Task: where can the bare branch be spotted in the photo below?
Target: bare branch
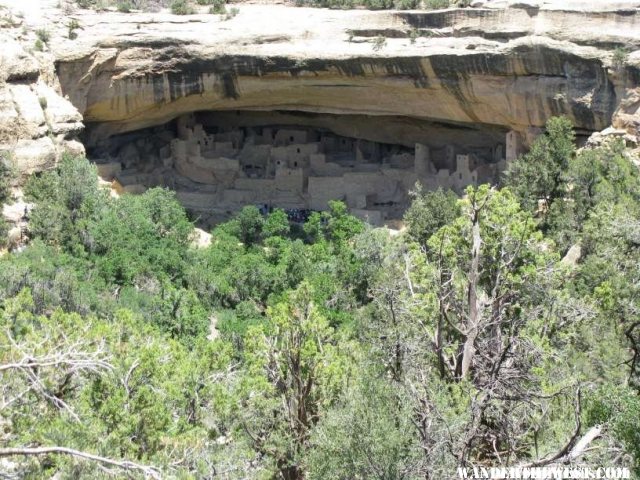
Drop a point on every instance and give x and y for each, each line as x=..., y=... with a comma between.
x=148, y=471
x=574, y=448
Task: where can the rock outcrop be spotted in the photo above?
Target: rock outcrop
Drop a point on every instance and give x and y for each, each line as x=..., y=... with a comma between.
x=461, y=76
x=511, y=68
x=627, y=116
x=37, y=124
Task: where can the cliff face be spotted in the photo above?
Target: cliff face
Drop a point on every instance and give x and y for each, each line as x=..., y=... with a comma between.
x=37, y=125
x=510, y=68
x=518, y=89
x=493, y=68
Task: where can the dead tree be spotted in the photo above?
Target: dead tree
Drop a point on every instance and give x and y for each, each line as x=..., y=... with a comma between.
x=45, y=369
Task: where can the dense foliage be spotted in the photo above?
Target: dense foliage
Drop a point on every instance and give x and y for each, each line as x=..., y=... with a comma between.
x=330, y=350
x=5, y=195
x=188, y=7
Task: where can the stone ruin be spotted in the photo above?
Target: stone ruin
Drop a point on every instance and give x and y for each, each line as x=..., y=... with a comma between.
x=216, y=170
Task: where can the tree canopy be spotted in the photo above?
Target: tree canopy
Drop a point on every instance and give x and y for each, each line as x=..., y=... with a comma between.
x=335, y=350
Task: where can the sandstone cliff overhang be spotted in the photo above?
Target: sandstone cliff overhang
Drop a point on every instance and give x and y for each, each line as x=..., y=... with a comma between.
x=511, y=68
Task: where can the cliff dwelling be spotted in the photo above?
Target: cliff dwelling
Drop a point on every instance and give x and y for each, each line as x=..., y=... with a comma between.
x=217, y=162
x=291, y=115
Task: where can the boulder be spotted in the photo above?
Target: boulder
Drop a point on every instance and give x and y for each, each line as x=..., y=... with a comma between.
x=14, y=238
x=29, y=107
x=17, y=64
x=31, y=156
x=14, y=213
x=72, y=147
x=9, y=118
x=62, y=117
x=201, y=239
x=572, y=256
x=627, y=115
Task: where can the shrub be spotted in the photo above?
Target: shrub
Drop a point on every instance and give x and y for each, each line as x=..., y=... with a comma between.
x=342, y=4
x=217, y=6
x=619, y=58
x=379, y=43
x=39, y=46
x=124, y=6
x=4, y=232
x=406, y=4
x=100, y=5
x=66, y=199
x=436, y=4
x=6, y=177
x=43, y=35
x=378, y=4
x=43, y=102
x=181, y=7
x=430, y=211
x=73, y=25
x=250, y=224
x=277, y=224
x=232, y=12
x=140, y=236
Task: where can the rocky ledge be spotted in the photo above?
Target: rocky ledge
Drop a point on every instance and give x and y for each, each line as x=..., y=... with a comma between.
x=509, y=67
x=37, y=124
x=505, y=65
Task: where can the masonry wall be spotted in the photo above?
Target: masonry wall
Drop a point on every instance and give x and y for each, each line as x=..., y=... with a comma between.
x=303, y=168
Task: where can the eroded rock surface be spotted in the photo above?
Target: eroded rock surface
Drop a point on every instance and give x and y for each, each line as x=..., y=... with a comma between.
x=37, y=124
x=508, y=64
x=511, y=67
x=479, y=81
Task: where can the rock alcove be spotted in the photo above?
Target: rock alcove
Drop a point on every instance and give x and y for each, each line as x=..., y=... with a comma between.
x=219, y=161
x=255, y=109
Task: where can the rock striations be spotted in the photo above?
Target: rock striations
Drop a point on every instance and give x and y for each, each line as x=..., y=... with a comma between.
x=512, y=67
x=37, y=124
x=463, y=76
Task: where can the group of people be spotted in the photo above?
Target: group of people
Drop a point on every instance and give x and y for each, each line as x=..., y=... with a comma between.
x=298, y=215
x=295, y=215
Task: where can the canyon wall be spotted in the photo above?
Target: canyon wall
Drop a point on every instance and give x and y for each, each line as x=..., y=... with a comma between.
x=436, y=77
x=511, y=68
x=37, y=124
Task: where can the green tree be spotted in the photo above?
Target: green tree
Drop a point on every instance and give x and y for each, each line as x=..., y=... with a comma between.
x=6, y=177
x=46, y=365
x=144, y=235
x=276, y=224
x=340, y=225
x=118, y=390
x=429, y=211
x=473, y=293
x=368, y=434
x=617, y=408
x=313, y=228
x=538, y=175
x=4, y=231
x=294, y=367
x=248, y=225
x=602, y=174
x=67, y=200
